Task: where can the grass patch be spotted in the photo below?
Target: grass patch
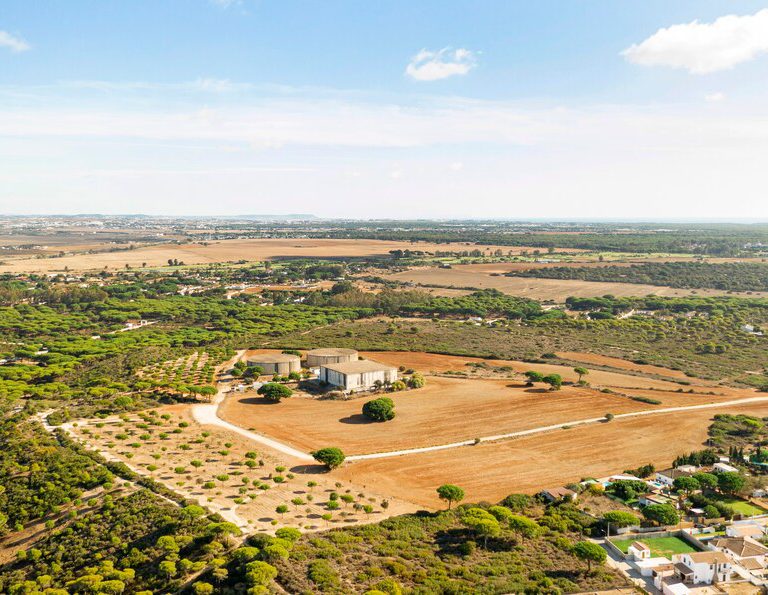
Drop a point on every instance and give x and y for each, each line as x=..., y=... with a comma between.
x=660, y=546
x=740, y=506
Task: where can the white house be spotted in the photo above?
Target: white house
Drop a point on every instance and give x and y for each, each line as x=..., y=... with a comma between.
x=724, y=468
x=357, y=375
x=702, y=568
x=638, y=551
x=668, y=476
x=741, y=548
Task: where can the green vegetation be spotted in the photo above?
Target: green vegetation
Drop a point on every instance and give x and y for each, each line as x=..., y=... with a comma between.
x=381, y=409
x=275, y=392
x=660, y=546
x=731, y=276
x=329, y=456
x=470, y=549
x=678, y=336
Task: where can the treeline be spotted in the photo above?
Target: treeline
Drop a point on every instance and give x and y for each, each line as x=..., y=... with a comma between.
x=483, y=303
x=730, y=276
x=714, y=306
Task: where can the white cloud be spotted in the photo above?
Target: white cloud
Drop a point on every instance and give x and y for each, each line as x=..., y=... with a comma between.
x=433, y=66
x=226, y=3
x=15, y=44
x=702, y=48
x=715, y=97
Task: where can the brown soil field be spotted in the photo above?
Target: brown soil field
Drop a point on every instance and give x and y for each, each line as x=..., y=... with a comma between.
x=231, y=251
x=490, y=471
x=446, y=410
x=622, y=364
x=433, y=362
x=223, y=453
x=542, y=289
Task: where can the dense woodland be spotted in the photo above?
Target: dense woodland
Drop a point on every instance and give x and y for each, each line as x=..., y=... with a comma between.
x=731, y=276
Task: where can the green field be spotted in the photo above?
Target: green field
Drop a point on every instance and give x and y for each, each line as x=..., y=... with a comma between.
x=660, y=546
x=741, y=506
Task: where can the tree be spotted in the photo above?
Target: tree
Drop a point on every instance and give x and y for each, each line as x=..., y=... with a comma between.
x=381, y=409
x=259, y=574
x=274, y=392
x=281, y=509
x=533, y=376
x=450, y=493
x=589, y=552
x=686, y=484
x=482, y=523
x=417, y=380
x=706, y=480
x=523, y=525
x=663, y=514
x=730, y=482
x=581, y=372
x=329, y=456
x=555, y=381
x=620, y=519
x=203, y=588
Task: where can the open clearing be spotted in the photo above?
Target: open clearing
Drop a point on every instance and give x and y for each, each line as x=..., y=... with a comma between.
x=462, y=276
x=660, y=546
x=232, y=251
x=490, y=471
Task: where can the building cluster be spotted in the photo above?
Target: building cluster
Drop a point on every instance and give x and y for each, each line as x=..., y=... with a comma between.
x=711, y=566
x=337, y=367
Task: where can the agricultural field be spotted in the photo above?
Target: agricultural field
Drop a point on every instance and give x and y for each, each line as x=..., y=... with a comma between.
x=193, y=369
x=228, y=474
x=232, y=251
x=557, y=290
x=455, y=408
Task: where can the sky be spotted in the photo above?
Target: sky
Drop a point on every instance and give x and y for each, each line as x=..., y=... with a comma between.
x=644, y=109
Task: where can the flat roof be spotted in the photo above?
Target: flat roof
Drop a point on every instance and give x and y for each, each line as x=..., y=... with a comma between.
x=358, y=367
x=332, y=351
x=273, y=358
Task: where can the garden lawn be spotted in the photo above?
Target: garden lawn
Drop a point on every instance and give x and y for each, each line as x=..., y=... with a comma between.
x=741, y=506
x=660, y=546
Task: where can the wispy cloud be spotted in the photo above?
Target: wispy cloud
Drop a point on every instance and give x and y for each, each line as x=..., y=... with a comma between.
x=703, y=48
x=429, y=65
x=226, y=3
x=205, y=84
x=13, y=43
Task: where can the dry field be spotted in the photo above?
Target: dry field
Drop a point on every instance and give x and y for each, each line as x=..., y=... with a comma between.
x=540, y=289
x=446, y=410
x=622, y=364
x=231, y=251
x=241, y=494
x=490, y=471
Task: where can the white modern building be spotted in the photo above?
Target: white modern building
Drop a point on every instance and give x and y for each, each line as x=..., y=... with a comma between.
x=357, y=375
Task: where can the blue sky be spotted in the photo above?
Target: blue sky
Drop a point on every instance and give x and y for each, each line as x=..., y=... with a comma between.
x=398, y=109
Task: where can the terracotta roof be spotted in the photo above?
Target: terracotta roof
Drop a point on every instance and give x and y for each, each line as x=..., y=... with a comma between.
x=559, y=492
x=709, y=557
x=751, y=564
x=743, y=547
x=639, y=545
x=673, y=473
x=359, y=367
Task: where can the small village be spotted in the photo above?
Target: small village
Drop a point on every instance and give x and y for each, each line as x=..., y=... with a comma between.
x=702, y=552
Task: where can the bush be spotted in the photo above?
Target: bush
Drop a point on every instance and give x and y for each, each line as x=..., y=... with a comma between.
x=330, y=456
x=274, y=392
x=381, y=409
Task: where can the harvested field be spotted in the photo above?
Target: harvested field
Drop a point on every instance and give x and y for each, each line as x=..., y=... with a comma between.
x=461, y=276
x=493, y=470
x=621, y=364
x=433, y=362
x=231, y=251
x=453, y=409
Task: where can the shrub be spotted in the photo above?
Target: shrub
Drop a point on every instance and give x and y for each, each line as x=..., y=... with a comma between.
x=381, y=409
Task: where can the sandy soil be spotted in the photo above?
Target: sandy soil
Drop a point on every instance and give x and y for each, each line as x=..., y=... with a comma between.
x=541, y=289
x=446, y=410
x=230, y=251
x=622, y=364
x=432, y=362
x=491, y=471
x=224, y=453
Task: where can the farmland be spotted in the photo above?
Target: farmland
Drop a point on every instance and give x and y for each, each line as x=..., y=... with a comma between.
x=229, y=251
x=472, y=276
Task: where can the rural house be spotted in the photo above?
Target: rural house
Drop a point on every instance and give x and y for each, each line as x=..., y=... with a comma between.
x=558, y=494
x=357, y=375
